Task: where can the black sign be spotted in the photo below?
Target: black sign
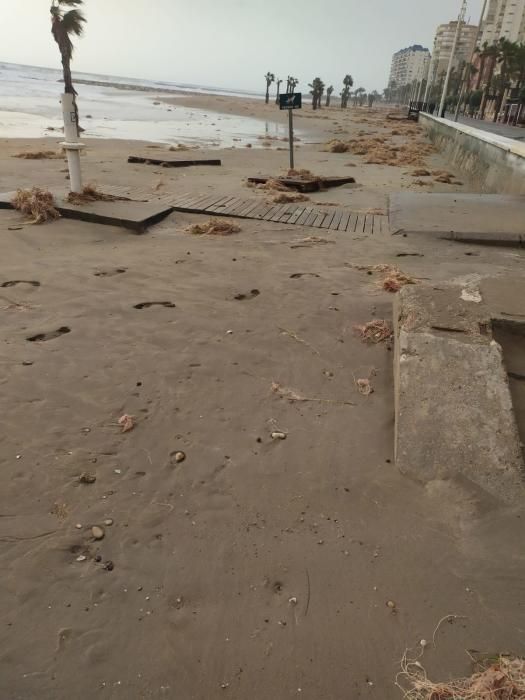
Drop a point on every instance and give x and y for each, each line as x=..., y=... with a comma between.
x=291, y=100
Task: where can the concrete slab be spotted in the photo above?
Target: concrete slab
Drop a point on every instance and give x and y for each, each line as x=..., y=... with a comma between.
x=454, y=411
x=132, y=215
x=476, y=218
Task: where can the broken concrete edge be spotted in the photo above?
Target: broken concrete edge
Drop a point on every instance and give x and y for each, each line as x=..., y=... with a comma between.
x=484, y=238
x=454, y=417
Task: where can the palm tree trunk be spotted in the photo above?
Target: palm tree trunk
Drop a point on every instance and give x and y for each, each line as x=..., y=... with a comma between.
x=267, y=93
x=480, y=74
x=487, y=89
x=68, y=85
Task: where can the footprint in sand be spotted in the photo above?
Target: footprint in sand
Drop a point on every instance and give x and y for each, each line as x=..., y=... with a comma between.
x=298, y=275
x=110, y=273
x=250, y=295
x=12, y=283
x=51, y=335
x=147, y=304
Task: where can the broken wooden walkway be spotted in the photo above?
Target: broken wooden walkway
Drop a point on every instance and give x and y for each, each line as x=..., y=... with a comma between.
x=300, y=214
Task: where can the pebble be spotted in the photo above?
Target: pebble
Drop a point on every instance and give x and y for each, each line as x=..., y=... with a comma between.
x=390, y=604
x=118, y=471
x=86, y=478
x=180, y=457
x=81, y=557
x=277, y=435
x=98, y=532
x=109, y=566
x=108, y=522
x=78, y=526
x=293, y=601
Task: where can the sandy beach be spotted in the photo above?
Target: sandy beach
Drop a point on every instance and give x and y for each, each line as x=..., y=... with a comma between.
x=249, y=566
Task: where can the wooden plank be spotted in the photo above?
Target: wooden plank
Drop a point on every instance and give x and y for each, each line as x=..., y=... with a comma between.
x=200, y=202
x=328, y=219
x=304, y=216
x=337, y=219
x=295, y=216
x=360, y=223
x=221, y=204
x=280, y=211
x=285, y=218
x=368, y=227
x=259, y=209
x=343, y=224
x=182, y=199
x=313, y=216
x=233, y=207
x=249, y=207
x=352, y=223
x=319, y=219
x=209, y=201
x=187, y=204
x=167, y=163
x=271, y=212
x=265, y=208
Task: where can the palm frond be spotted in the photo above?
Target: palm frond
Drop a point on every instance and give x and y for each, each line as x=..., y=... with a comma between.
x=71, y=3
x=73, y=22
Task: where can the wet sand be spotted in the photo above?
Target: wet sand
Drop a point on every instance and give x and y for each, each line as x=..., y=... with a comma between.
x=256, y=567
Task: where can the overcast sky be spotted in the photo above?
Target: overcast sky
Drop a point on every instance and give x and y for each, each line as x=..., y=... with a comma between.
x=232, y=43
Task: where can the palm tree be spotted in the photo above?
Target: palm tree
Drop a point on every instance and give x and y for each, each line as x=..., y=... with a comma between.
x=316, y=92
x=270, y=78
x=348, y=82
x=359, y=96
x=329, y=91
x=291, y=84
x=492, y=54
x=278, y=83
x=372, y=97
x=507, y=53
x=64, y=24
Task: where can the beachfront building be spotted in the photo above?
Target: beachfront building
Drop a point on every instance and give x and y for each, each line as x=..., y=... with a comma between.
x=409, y=65
x=505, y=19
x=443, y=43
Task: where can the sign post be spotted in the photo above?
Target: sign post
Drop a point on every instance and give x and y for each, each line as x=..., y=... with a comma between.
x=290, y=101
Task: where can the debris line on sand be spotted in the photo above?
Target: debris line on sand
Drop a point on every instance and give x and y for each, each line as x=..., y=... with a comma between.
x=91, y=194
x=40, y=155
x=214, y=227
x=36, y=203
x=375, y=331
x=294, y=396
x=496, y=679
x=392, y=277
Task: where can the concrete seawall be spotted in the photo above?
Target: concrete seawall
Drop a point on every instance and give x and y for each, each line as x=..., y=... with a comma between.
x=493, y=163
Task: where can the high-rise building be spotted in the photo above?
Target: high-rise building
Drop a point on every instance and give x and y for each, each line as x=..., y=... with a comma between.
x=443, y=43
x=505, y=19
x=409, y=64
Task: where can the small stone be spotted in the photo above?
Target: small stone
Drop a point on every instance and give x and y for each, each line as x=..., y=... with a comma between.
x=98, y=558
x=293, y=601
x=423, y=643
x=81, y=557
x=390, y=604
x=278, y=435
x=109, y=566
x=180, y=457
x=229, y=332
x=225, y=685
x=78, y=526
x=118, y=471
x=108, y=522
x=98, y=532
x=86, y=478
x=321, y=542
x=19, y=456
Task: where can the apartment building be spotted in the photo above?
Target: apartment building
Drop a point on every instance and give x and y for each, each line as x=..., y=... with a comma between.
x=505, y=19
x=409, y=64
x=443, y=43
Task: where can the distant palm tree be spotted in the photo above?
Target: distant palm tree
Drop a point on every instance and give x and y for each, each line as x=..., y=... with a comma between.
x=291, y=84
x=270, y=78
x=329, y=91
x=372, y=97
x=64, y=24
x=316, y=92
x=348, y=82
x=278, y=83
x=359, y=95
x=507, y=56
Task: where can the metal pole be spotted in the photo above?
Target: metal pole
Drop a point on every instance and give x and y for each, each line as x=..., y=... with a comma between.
x=71, y=144
x=467, y=68
x=452, y=56
x=290, y=123
x=430, y=81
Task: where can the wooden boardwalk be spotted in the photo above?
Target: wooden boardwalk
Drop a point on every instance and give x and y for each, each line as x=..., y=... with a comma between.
x=300, y=214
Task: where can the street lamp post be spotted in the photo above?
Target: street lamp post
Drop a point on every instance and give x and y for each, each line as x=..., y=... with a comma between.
x=461, y=19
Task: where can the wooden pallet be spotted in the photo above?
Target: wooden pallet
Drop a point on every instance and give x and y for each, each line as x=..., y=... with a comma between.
x=303, y=185
x=299, y=214
x=167, y=163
